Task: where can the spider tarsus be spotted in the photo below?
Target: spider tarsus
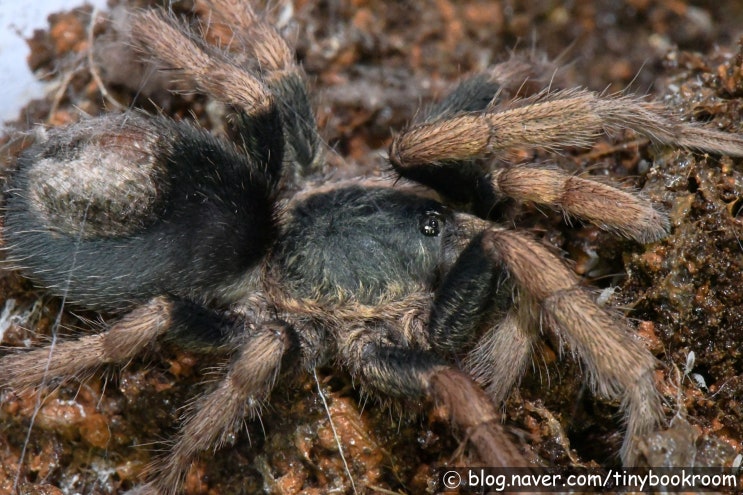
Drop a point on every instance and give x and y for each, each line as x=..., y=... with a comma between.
x=643, y=409
x=472, y=410
x=607, y=206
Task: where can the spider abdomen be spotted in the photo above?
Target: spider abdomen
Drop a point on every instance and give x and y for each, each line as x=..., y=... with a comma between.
x=115, y=210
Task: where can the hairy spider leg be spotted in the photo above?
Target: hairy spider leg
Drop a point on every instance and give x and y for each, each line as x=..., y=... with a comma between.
x=188, y=325
x=440, y=153
x=406, y=373
x=74, y=359
x=213, y=418
x=618, y=366
x=255, y=72
x=254, y=41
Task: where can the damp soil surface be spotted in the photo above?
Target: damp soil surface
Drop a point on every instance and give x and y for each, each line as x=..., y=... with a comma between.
x=371, y=65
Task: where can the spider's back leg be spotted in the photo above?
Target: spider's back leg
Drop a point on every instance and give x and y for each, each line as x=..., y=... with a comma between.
x=253, y=35
x=253, y=70
x=219, y=414
x=261, y=348
x=76, y=358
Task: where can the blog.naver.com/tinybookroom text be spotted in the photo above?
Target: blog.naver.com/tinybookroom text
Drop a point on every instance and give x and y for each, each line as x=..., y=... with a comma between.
x=551, y=479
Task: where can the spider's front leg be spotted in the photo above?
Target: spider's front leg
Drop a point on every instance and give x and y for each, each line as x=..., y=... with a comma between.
x=545, y=292
x=442, y=151
x=477, y=293
x=618, y=365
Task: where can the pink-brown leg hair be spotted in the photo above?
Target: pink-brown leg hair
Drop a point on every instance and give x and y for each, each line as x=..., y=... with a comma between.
x=213, y=418
x=602, y=204
x=210, y=69
x=552, y=121
x=405, y=373
x=126, y=338
x=252, y=38
x=432, y=151
x=501, y=356
x=618, y=366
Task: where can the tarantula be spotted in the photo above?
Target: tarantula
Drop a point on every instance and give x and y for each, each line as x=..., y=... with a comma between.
x=228, y=246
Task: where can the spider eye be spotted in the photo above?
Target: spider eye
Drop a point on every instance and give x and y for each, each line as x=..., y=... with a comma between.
x=430, y=224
